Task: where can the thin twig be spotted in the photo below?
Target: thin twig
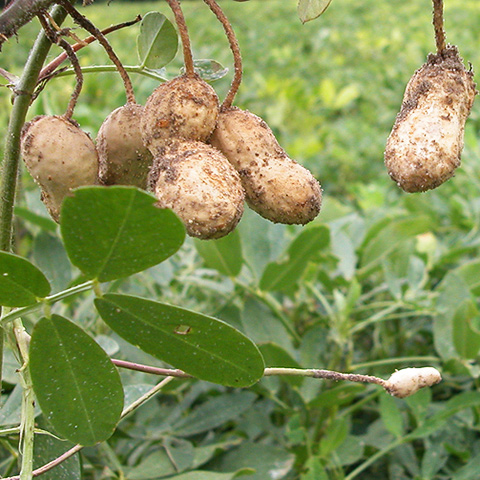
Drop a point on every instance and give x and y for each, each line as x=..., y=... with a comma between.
x=234, y=47
x=55, y=63
x=268, y=372
x=438, y=25
x=54, y=38
x=90, y=27
x=183, y=30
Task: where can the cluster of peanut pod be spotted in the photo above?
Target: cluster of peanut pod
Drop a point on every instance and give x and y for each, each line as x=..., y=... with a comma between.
x=201, y=162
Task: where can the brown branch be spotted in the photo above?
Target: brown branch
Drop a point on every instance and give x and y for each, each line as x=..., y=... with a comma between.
x=438, y=25
x=182, y=29
x=90, y=27
x=55, y=38
x=234, y=47
x=19, y=13
x=55, y=63
x=153, y=370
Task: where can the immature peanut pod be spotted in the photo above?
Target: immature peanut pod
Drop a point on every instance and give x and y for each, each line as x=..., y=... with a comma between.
x=276, y=187
x=123, y=159
x=424, y=147
x=59, y=156
x=185, y=107
x=198, y=183
x=408, y=381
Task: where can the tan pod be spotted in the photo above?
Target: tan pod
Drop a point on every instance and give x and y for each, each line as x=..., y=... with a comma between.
x=198, y=183
x=123, y=159
x=59, y=156
x=276, y=187
x=185, y=107
x=426, y=142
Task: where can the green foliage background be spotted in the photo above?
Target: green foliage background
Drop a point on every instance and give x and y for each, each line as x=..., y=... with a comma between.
x=381, y=280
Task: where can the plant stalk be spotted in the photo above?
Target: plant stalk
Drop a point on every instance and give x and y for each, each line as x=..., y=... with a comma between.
x=27, y=427
x=438, y=25
x=9, y=168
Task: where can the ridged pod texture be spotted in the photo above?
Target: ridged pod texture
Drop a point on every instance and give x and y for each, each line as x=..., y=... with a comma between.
x=185, y=107
x=198, y=183
x=426, y=142
x=276, y=187
x=59, y=156
x=123, y=159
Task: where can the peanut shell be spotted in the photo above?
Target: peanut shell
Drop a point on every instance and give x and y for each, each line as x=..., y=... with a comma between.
x=185, y=107
x=198, y=183
x=276, y=187
x=123, y=159
x=59, y=156
x=426, y=142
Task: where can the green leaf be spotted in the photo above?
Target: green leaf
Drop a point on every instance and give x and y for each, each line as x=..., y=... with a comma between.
x=157, y=42
x=435, y=422
x=114, y=232
x=43, y=222
x=335, y=435
x=387, y=236
x=210, y=70
x=77, y=386
x=465, y=338
x=451, y=293
x=224, y=254
x=280, y=275
x=205, y=475
x=315, y=470
x=470, y=273
x=391, y=415
x=268, y=461
x=202, y=346
x=21, y=282
x=155, y=465
x=337, y=396
x=49, y=254
x=213, y=413
x=311, y=9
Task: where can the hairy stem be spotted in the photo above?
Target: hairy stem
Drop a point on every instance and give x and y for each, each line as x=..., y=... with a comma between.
x=234, y=47
x=20, y=312
x=90, y=27
x=182, y=29
x=268, y=372
x=27, y=427
x=438, y=25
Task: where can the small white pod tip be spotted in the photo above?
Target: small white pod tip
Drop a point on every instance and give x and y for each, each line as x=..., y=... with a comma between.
x=408, y=381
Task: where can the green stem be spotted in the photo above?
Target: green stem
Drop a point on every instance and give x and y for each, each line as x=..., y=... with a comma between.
x=374, y=458
x=9, y=168
x=111, y=68
x=387, y=314
x=23, y=95
x=19, y=312
x=397, y=360
x=27, y=430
